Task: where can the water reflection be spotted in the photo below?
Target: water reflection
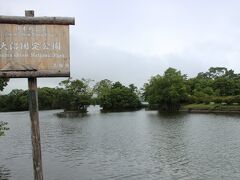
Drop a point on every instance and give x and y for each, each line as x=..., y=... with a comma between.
x=169, y=143
x=5, y=173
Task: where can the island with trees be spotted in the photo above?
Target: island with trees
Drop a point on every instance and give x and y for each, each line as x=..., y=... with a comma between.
x=117, y=97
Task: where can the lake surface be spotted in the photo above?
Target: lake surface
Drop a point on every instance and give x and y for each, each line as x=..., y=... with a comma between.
x=130, y=145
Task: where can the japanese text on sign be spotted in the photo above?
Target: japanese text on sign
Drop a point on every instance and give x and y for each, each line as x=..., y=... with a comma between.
x=43, y=47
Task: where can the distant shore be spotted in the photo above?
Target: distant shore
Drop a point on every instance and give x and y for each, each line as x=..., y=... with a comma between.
x=211, y=108
x=208, y=111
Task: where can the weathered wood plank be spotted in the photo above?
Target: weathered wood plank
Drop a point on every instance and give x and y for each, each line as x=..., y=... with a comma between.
x=37, y=20
x=24, y=74
x=44, y=48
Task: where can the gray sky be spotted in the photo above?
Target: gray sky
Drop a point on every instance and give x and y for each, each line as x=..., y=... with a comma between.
x=132, y=40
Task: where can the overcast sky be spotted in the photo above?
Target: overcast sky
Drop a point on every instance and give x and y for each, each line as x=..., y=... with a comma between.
x=131, y=40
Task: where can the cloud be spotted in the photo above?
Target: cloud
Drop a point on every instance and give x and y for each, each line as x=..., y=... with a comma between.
x=97, y=62
x=107, y=63
x=132, y=41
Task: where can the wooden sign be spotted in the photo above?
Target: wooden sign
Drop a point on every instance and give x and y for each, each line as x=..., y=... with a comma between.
x=34, y=47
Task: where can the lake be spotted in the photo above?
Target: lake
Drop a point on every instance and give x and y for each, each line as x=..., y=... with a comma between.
x=137, y=145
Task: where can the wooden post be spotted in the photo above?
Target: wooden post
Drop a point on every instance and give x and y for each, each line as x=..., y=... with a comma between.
x=34, y=116
x=36, y=143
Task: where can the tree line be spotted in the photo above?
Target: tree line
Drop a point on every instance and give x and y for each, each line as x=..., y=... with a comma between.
x=172, y=89
x=166, y=92
x=76, y=95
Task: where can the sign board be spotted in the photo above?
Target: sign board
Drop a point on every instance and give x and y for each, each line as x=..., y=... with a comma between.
x=32, y=47
x=34, y=50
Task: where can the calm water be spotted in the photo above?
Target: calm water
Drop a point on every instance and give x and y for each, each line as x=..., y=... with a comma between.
x=132, y=145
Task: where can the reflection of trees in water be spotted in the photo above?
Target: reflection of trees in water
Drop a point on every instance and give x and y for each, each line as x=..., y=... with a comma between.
x=5, y=173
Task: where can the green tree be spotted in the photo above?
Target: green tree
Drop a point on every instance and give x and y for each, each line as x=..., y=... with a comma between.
x=167, y=91
x=213, y=85
x=76, y=94
x=224, y=82
x=102, y=88
x=224, y=86
x=199, y=89
x=117, y=97
x=3, y=128
x=213, y=72
x=49, y=98
x=17, y=100
x=3, y=83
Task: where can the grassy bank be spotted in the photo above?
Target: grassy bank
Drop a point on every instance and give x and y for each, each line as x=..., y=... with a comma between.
x=211, y=108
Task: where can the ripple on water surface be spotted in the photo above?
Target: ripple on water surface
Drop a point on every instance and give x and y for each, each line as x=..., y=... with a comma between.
x=131, y=145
